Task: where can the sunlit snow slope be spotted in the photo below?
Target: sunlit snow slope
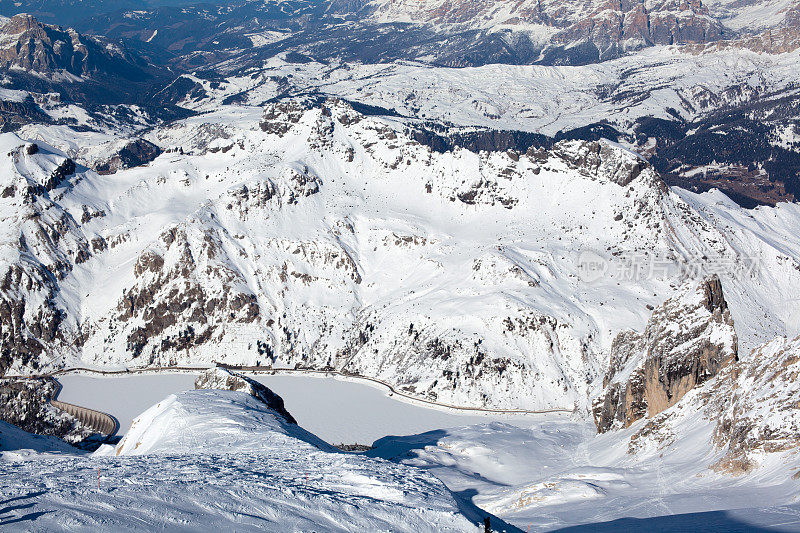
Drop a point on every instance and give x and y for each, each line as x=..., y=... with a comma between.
x=308, y=234
x=221, y=460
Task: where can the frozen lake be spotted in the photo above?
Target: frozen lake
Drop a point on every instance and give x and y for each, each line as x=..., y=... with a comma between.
x=338, y=411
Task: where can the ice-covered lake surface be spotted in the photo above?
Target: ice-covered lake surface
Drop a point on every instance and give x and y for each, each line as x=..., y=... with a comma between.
x=337, y=411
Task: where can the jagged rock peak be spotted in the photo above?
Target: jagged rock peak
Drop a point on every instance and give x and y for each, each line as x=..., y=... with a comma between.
x=687, y=341
x=606, y=160
x=28, y=45
x=715, y=299
x=223, y=379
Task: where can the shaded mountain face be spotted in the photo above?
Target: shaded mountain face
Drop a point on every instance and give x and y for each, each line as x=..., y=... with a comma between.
x=446, y=32
x=453, y=33
x=62, y=65
x=68, y=12
x=45, y=67
x=37, y=48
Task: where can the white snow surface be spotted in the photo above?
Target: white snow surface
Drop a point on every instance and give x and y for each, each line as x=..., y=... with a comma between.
x=352, y=413
x=15, y=443
x=536, y=98
x=221, y=460
x=559, y=474
x=207, y=421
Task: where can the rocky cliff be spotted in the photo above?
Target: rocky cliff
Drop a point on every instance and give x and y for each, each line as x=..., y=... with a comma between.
x=688, y=340
x=748, y=414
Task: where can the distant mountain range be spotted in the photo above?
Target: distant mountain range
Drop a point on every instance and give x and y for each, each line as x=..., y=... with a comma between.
x=737, y=135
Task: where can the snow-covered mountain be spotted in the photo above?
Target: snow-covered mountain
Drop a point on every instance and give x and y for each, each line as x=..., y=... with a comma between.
x=45, y=58
x=688, y=340
x=311, y=235
x=594, y=216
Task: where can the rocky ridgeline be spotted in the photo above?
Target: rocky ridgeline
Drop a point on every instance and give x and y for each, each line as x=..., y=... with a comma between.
x=757, y=405
x=685, y=368
x=249, y=268
x=688, y=340
x=35, y=47
x=189, y=292
x=751, y=406
x=135, y=153
x=223, y=379
x=611, y=27
x=46, y=244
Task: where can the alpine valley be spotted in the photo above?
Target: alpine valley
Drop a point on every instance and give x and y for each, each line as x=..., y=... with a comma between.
x=581, y=213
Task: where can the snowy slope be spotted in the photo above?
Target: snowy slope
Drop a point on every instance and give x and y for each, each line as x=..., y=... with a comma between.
x=15, y=442
x=312, y=235
x=560, y=474
x=206, y=422
x=544, y=99
x=730, y=443
x=238, y=466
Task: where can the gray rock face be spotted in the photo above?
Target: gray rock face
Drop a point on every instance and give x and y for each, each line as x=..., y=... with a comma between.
x=604, y=161
x=752, y=406
x=222, y=379
x=757, y=405
x=134, y=154
x=35, y=47
x=687, y=341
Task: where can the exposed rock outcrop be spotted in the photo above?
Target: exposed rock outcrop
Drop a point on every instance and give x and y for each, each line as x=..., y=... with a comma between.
x=134, y=154
x=751, y=406
x=688, y=340
x=44, y=243
x=35, y=47
x=758, y=403
x=604, y=160
x=223, y=379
